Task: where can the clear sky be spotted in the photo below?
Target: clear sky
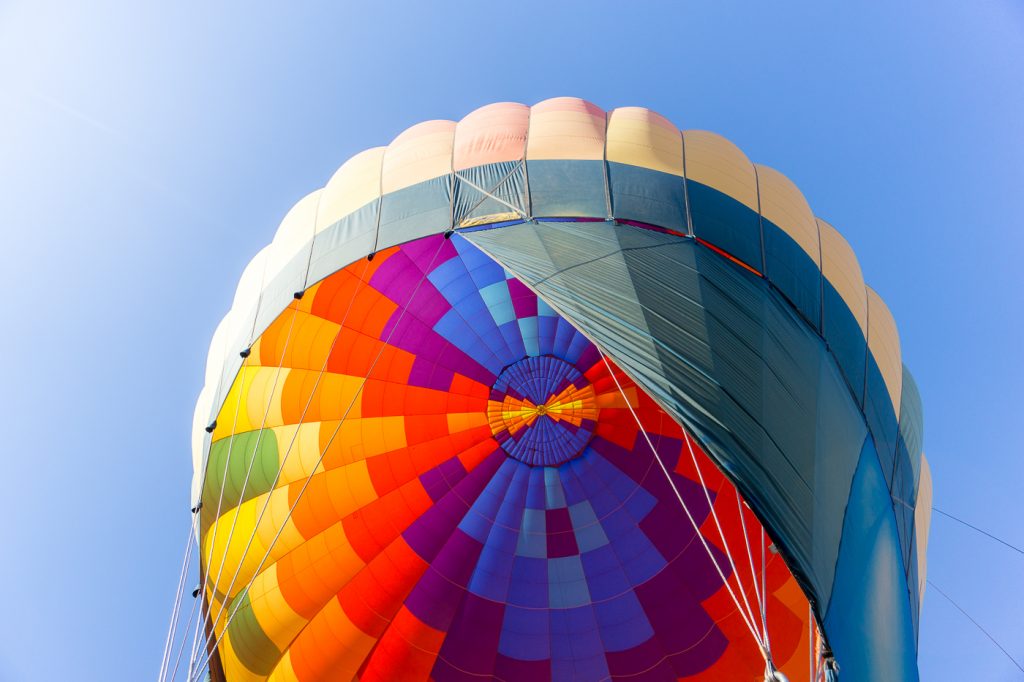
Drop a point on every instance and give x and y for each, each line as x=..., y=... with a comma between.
x=146, y=153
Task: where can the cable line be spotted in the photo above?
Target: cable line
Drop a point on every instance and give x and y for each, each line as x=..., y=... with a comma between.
x=1015, y=548
x=977, y=625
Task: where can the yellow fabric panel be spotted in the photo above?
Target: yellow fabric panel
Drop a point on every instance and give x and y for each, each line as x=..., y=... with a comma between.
x=422, y=152
x=234, y=417
x=229, y=549
x=640, y=137
x=491, y=134
x=279, y=622
x=716, y=162
x=922, y=522
x=233, y=668
x=884, y=344
x=355, y=184
x=263, y=397
x=295, y=232
x=234, y=556
x=840, y=267
x=284, y=672
x=566, y=128
x=299, y=452
x=784, y=204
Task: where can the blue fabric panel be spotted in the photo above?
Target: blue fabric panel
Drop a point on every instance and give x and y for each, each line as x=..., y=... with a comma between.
x=647, y=196
x=881, y=418
x=793, y=272
x=869, y=623
x=913, y=577
x=845, y=339
x=903, y=494
x=567, y=188
x=506, y=181
x=721, y=220
x=413, y=212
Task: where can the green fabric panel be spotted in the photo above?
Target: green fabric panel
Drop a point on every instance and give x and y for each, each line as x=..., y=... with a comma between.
x=239, y=452
x=254, y=649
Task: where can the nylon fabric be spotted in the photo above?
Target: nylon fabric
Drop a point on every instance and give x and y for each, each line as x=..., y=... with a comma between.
x=724, y=354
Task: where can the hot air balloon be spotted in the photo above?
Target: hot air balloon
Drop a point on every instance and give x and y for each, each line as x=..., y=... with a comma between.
x=557, y=393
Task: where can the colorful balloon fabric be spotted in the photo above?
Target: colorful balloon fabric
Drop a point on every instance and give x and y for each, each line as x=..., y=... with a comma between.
x=556, y=393
x=488, y=506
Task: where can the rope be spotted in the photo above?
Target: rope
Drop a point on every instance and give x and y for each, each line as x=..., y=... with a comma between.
x=725, y=543
x=248, y=472
x=223, y=481
x=977, y=625
x=693, y=522
x=753, y=573
x=291, y=444
x=488, y=194
x=1015, y=548
x=176, y=608
x=327, y=447
x=181, y=648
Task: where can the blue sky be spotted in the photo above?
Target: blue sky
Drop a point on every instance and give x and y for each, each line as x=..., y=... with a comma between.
x=148, y=150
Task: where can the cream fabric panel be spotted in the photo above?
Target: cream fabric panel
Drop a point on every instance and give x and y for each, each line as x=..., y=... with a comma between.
x=784, y=204
x=840, y=266
x=491, y=134
x=566, y=128
x=295, y=233
x=716, y=162
x=884, y=344
x=355, y=184
x=247, y=296
x=640, y=137
x=922, y=523
x=422, y=152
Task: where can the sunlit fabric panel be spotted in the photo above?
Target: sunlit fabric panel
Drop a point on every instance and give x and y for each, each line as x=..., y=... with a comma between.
x=722, y=189
x=423, y=470
x=645, y=168
x=792, y=250
x=565, y=159
x=844, y=307
x=883, y=385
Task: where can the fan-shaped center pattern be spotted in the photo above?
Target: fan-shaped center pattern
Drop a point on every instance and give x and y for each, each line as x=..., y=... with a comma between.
x=542, y=410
